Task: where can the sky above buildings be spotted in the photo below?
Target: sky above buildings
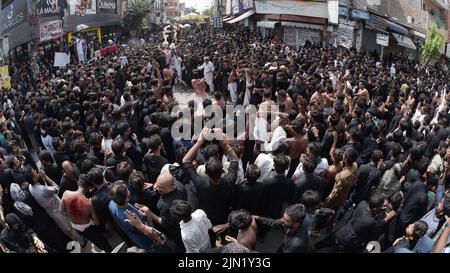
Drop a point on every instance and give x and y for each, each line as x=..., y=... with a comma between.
x=198, y=4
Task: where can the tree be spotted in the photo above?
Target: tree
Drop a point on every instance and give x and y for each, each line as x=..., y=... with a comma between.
x=135, y=13
x=194, y=10
x=206, y=12
x=432, y=46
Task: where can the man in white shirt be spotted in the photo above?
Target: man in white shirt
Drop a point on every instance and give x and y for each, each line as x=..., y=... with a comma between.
x=208, y=73
x=194, y=227
x=392, y=71
x=278, y=134
x=265, y=161
x=313, y=152
x=333, y=80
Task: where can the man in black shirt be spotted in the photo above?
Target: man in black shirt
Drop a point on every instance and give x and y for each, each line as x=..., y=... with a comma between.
x=60, y=155
x=241, y=86
x=91, y=123
x=309, y=181
x=363, y=226
x=214, y=191
x=169, y=191
x=67, y=130
x=153, y=160
x=278, y=189
x=118, y=148
x=414, y=207
x=53, y=171
x=329, y=136
x=295, y=239
x=69, y=180
x=368, y=177
x=433, y=141
x=100, y=202
x=96, y=152
x=101, y=198
x=369, y=144
x=142, y=192
x=249, y=194
x=7, y=202
x=133, y=151
x=81, y=153
x=299, y=89
x=352, y=136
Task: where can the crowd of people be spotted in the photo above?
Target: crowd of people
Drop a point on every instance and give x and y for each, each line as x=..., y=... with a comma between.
x=354, y=158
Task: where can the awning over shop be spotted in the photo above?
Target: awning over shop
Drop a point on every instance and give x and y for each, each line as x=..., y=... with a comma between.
x=301, y=25
x=397, y=28
x=418, y=34
x=376, y=29
x=241, y=17
x=380, y=22
x=266, y=24
x=228, y=18
x=404, y=41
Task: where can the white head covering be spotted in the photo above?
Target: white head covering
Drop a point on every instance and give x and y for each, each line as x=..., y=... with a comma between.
x=18, y=195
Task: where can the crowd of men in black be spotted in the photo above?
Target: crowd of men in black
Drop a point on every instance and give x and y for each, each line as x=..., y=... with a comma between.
x=356, y=158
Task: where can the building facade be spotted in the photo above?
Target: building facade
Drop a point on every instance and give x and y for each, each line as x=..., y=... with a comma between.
x=404, y=23
x=293, y=22
x=25, y=21
x=171, y=8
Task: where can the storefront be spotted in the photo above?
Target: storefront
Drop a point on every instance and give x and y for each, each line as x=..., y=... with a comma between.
x=348, y=33
x=100, y=14
x=398, y=41
x=296, y=21
x=405, y=45
x=267, y=27
x=343, y=34
x=297, y=34
x=14, y=26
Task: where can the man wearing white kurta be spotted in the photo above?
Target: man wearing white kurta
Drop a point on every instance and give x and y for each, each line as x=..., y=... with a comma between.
x=80, y=50
x=208, y=73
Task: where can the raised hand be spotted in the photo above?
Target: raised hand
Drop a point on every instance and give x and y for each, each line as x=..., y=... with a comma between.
x=132, y=218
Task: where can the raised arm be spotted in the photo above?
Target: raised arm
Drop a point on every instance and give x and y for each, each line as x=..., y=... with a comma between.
x=193, y=151
x=441, y=243
x=48, y=180
x=156, y=236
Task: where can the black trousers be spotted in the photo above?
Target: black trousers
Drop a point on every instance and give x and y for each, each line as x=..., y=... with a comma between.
x=95, y=235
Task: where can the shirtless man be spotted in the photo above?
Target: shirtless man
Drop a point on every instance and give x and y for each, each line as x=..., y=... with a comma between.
x=320, y=98
x=362, y=92
x=219, y=101
x=82, y=215
x=267, y=101
x=297, y=144
x=157, y=88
